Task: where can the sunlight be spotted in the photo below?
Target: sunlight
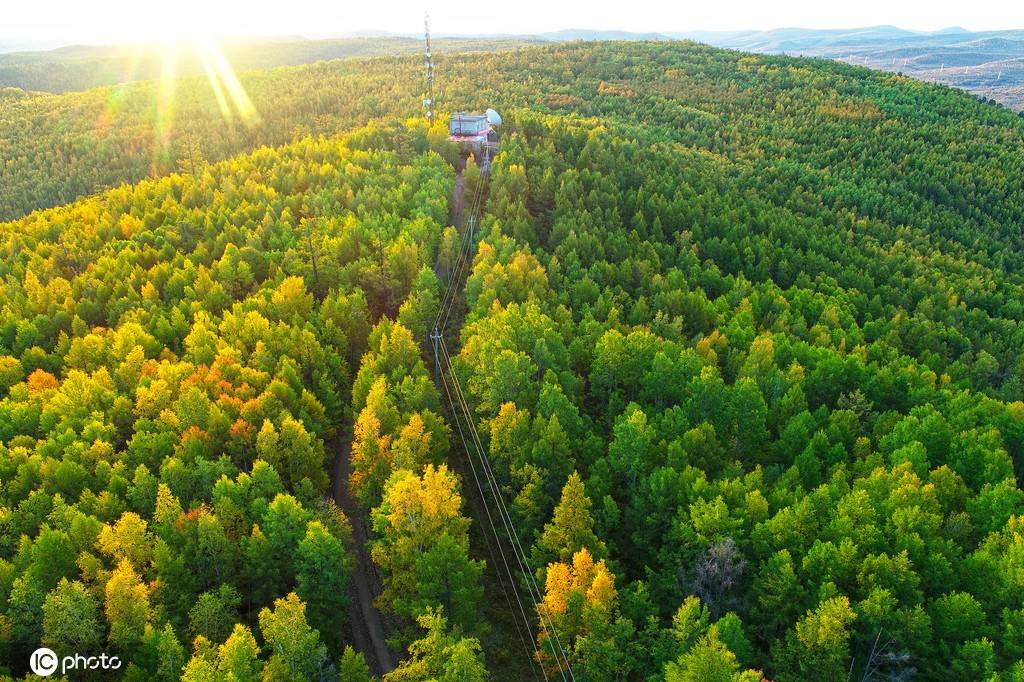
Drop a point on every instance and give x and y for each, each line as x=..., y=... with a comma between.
x=169, y=45
x=222, y=77
x=218, y=90
x=164, y=123
x=232, y=99
x=115, y=102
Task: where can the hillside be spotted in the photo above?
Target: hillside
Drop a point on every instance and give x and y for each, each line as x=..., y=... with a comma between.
x=761, y=413
x=166, y=438
x=989, y=64
x=84, y=67
x=56, y=148
x=739, y=334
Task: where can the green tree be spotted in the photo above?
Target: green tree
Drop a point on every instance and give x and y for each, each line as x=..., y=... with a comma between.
x=238, y=657
x=214, y=614
x=709, y=660
x=571, y=527
x=448, y=578
x=440, y=655
x=295, y=645
x=71, y=618
x=322, y=569
x=819, y=645
x=352, y=666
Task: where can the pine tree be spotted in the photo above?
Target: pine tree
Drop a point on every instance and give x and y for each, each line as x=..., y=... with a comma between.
x=571, y=528
x=321, y=580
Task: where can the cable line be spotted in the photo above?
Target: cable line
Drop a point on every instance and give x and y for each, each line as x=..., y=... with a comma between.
x=448, y=295
x=513, y=536
x=490, y=522
x=465, y=248
x=471, y=442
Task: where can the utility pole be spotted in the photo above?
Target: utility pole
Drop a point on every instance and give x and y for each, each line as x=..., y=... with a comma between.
x=428, y=102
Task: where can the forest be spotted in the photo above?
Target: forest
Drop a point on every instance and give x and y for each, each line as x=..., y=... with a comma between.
x=82, y=67
x=740, y=336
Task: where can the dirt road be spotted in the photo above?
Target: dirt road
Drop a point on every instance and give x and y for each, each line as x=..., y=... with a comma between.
x=364, y=619
x=457, y=199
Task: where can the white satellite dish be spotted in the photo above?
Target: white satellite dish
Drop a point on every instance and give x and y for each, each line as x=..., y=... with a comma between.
x=493, y=117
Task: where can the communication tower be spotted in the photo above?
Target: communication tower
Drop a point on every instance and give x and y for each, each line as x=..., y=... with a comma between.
x=428, y=101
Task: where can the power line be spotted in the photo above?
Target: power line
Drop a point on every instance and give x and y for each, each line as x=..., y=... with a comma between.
x=461, y=412
x=453, y=276
x=458, y=273
x=448, y=293
x=509, y=526
x=490, y=521
x=444, y=310
x=465, y=249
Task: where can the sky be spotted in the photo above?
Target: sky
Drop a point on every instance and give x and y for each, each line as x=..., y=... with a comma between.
x=106, y=21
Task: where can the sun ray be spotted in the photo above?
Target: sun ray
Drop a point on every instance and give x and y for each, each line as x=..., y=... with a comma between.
x=218, y=90
x=165, y=108
x=232, y=99
x=116, y=99
x=131, y=65
x=244, y=107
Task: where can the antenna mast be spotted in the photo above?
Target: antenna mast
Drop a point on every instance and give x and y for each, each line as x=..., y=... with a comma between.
x=428, y=102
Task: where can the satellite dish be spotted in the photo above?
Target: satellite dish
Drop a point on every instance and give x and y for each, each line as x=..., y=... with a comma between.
x=493, y=118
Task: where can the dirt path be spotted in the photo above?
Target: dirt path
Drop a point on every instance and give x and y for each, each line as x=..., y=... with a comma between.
x=364, y=619
x=368, y=633
x=457, y=199
x=506, y=644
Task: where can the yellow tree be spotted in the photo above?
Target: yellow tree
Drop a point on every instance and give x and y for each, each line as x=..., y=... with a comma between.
x=412, y=447
x=579, y=611
x=424, y=544
x=127, y=539
x=127, y=606
x=371, y=458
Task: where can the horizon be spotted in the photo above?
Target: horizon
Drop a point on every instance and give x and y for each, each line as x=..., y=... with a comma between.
x=59, y=23
x=13, y=44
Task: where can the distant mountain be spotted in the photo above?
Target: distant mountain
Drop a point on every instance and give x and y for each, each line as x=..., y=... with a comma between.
x=989, y=64
x=81, y=67
x=785, y=39
x=11, y=44
x=586, y=34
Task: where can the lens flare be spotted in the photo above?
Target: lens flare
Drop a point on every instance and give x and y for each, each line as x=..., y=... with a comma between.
x=218, y=89
x=232, y=100
x=164, y=123
x=223, y=78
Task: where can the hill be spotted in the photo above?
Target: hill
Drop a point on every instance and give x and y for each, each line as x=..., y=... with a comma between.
x=989, y=64
x=589, y=34
x=739, y=335
x=152, y=534
x=57, y=148
x=83, y=67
